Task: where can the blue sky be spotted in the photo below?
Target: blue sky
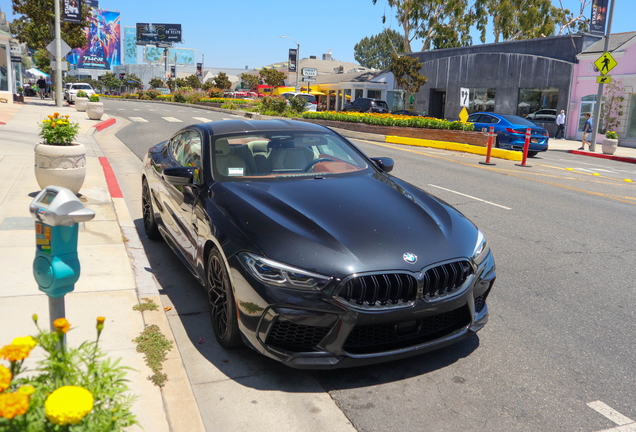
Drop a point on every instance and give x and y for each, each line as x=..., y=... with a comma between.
x=243, y=33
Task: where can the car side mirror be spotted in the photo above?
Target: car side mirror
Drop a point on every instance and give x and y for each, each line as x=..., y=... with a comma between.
x=179, y=176
x=384, y=163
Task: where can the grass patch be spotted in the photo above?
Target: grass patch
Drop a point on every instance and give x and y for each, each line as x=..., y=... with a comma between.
x=146, y=304
x=154, y=345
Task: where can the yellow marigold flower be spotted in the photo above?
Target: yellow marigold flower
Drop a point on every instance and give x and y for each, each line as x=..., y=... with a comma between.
x=27, y=390
x=13, y=404
x=26, y=340
x=5, y=378
x=15, y=352
x=61, y=325
x=68, y=405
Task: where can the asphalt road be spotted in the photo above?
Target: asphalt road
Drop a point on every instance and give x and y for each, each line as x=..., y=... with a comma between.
x=562, y=321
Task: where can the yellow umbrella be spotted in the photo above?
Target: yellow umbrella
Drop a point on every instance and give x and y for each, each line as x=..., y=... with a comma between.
x=317, y=93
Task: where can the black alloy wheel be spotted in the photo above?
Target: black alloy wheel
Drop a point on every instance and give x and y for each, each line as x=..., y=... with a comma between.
x=221, y=302
x=150, y=223
x=532, y=153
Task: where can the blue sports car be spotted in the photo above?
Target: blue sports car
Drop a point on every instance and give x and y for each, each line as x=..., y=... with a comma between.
x=511, y=131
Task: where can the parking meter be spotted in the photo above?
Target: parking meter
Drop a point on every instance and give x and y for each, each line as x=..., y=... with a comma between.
x=57, y=213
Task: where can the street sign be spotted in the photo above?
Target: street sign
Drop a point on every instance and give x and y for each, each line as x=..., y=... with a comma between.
x=463, y=97
x=605, y=63
x=603, y=79
x=54, y=65
x=463, y=115
x=310, y=72
x=65, y=48
x=305, y=79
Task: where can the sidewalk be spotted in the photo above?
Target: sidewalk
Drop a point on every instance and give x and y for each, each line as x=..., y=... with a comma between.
x=110, y=283
x=567, y=145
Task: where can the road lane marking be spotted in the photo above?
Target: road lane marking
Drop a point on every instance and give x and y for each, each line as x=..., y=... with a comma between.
x=202, y=119
x=471, y=197
x=604, y=170
x=121, y=109
x=610, y=413
x=172, y=120
x=138, y=119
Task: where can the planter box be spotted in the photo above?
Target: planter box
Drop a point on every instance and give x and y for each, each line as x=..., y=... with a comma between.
x=18, y=98
x=472, y=138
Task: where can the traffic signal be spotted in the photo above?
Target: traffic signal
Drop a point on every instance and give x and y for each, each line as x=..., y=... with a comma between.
x=121, y=76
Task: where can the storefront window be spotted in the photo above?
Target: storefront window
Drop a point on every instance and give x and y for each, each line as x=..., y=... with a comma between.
x=631, y=125
x=374, y=94
x=481, y=99
x=538, y=104
x=359, y=93
x=4, y=69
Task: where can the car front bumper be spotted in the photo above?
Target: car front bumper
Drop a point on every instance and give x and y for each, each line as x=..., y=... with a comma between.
x=318, y=330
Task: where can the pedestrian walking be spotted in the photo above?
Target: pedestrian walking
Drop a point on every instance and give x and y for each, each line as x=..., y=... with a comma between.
x=41, y=87
x=560, y=121
x=586, y=130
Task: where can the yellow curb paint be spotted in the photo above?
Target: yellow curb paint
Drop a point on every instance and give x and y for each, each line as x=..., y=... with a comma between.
x=445, y=145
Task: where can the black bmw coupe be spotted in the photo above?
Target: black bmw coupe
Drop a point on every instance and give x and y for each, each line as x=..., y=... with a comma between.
x=310, y=252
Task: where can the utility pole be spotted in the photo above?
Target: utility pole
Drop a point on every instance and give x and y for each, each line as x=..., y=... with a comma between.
x=599, y=95
x=58, y=55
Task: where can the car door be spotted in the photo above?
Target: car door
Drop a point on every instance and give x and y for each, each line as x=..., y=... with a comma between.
x=475, y=118
x=486, y=121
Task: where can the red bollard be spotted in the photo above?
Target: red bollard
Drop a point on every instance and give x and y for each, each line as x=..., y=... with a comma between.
x=526, y=145
x=491, y=135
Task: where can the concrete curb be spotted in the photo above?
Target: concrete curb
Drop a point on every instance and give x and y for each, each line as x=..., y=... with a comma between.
x=603, y=156
x=179, y=403
x=103, y=125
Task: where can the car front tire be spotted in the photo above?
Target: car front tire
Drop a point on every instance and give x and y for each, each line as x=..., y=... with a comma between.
x=221, y=302
x=150, y=223
x=532, y=153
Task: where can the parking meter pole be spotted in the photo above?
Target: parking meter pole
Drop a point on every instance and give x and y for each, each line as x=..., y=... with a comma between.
x=526, y=145
x=56, y=310
x=491, y=135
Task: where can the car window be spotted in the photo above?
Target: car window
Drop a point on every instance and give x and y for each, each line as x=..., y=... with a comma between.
x=485, y=118
x=381, y=104
x=474, y=118
x=186, y=149
x=82, y=87
x=310, y=98
x=518, y=120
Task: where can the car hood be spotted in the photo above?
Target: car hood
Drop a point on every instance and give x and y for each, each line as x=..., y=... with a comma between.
x=339, y=226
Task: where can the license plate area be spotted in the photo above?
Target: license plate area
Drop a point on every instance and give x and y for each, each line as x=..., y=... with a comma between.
x=534, y=140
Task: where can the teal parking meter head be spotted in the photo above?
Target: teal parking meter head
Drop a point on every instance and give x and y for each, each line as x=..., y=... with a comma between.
x=57, y=211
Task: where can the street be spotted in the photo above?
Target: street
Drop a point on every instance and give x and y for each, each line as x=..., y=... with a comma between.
x=560, y=333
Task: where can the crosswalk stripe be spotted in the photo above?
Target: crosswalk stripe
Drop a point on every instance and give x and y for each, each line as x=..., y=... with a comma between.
x=172, y=120
x=202, y=119
x=138, y=119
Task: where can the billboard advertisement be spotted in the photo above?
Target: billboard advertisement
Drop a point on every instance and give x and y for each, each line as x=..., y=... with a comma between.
x=130, y=45
x=185, y=56
x=72, y=11
x=151, y=34
x=292, y=60
x=103, y=50
x=599, y=14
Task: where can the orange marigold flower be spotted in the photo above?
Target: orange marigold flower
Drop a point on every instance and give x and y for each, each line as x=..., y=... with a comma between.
x=61, y=325
x=13, y=404
x=56, y=115
x=66, y=116
x=101, y=320
x=5, y=378
x=15, y=352
x=53, y=124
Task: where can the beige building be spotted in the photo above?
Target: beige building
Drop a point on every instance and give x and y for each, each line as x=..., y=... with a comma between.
x=6, y=78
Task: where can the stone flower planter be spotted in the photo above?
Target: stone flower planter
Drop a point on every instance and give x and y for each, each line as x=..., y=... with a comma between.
x=60, y=165
x=80, y=103
x=609, y=146
x=95, y=110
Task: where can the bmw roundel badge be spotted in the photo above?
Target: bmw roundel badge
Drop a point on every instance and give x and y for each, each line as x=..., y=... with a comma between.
x=410, y=258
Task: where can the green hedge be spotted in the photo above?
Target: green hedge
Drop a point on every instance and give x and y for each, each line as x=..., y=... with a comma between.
x=389, y=120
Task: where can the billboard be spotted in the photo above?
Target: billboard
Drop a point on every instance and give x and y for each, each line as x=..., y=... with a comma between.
x=185, y=56
x=72, y=11
x=151, y=34
x=103, y=50
x=130, y=45
x=292, y=60
x=597, y=20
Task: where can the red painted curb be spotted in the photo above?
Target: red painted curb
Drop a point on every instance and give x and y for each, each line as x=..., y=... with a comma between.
x=111, y=180
x=103, y=125
x=604, y=156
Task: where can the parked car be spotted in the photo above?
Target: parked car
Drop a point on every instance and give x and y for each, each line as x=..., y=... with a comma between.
x=367, y=105
x=510, y=131
x=76, y=87
x=311, y=253
x=312, y=103
x=544, y=115
x=67, y=86
x=408, y=113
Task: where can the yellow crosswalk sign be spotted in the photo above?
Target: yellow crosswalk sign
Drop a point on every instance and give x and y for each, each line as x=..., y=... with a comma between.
x=463, y=115
x=603, y=79
x=605, y=63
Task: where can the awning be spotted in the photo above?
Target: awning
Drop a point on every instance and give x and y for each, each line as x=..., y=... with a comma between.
x=36, y=72
x=317, y=93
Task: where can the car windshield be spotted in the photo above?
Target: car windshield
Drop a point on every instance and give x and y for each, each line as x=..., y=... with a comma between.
x=381, y=104
x=82, y=87
x=283, y=155
x=518, y=120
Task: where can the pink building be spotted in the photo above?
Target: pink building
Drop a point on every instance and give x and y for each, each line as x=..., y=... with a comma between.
x=584, y=86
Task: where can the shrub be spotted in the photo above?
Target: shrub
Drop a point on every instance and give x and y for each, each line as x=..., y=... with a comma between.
x=81, y=93
x=298, y=104
x=215, y=93
x=273, y=104
x=56, y=130
x=152, y=94
x=389, y=120
x=93, y=98
x=611, y=135
x=167, y=98
x=179, y=97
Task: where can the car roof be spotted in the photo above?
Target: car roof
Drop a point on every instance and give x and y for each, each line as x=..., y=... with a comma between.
x=234, y=126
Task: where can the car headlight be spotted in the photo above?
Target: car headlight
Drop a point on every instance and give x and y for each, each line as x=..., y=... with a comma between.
x=279, y=274
x=481, y=249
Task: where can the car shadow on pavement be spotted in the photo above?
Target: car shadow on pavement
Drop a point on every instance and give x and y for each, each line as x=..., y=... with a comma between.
x=206, y=361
